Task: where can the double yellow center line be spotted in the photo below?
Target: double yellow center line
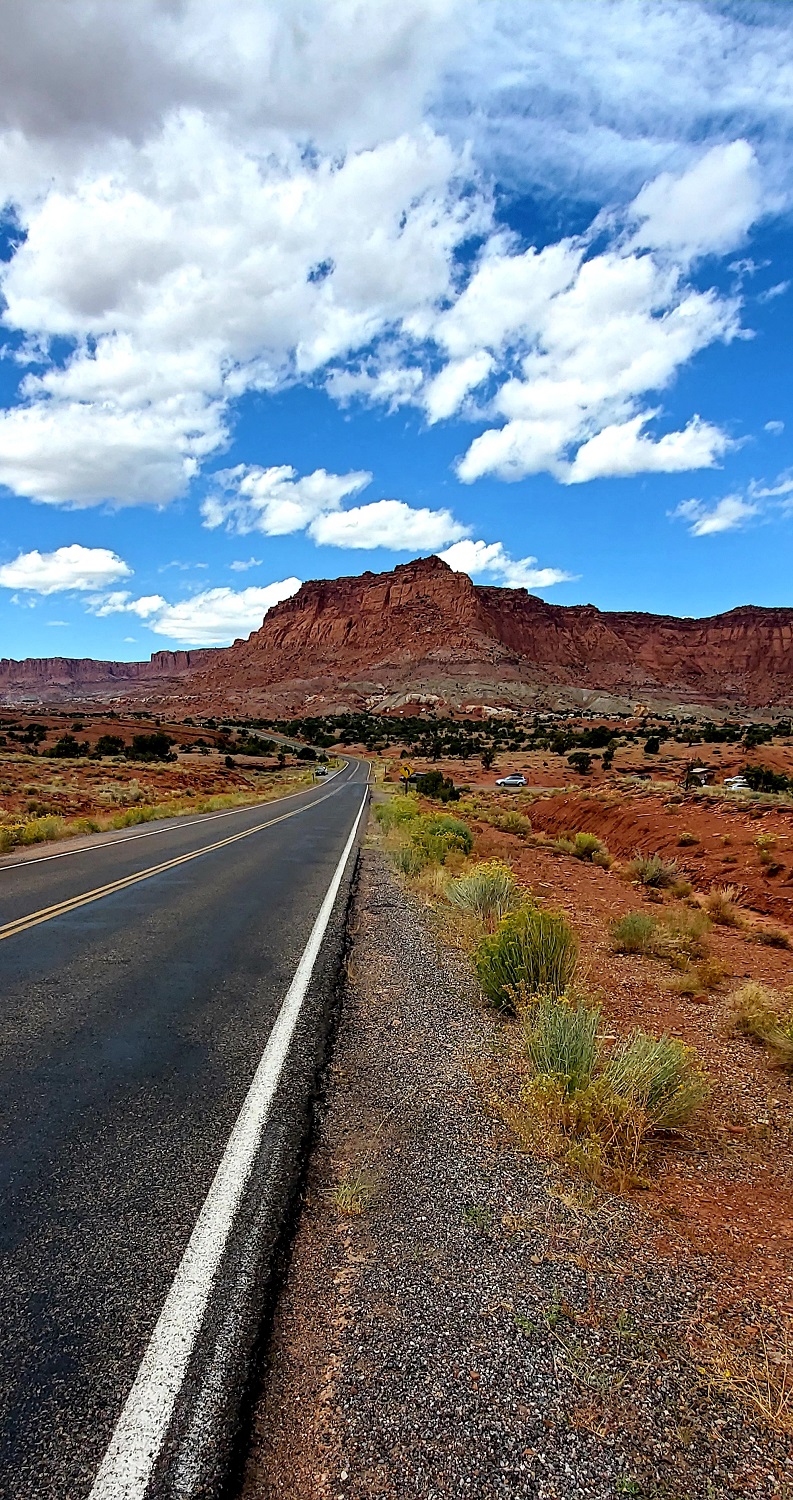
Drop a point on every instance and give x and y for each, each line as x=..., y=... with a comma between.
x=61, y=908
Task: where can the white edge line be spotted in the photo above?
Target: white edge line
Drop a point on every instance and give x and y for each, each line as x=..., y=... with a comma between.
x=172, y=825
x=134, y=1448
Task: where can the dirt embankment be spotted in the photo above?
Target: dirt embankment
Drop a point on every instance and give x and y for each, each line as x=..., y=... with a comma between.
x=714, y=843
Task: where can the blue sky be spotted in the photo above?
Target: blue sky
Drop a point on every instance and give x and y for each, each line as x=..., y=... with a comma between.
x=297, y=288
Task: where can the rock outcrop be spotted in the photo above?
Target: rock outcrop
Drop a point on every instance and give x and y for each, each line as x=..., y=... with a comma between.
x=423, y=631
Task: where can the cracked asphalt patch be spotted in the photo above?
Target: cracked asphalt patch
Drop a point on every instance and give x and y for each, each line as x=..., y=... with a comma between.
x=456, y=1318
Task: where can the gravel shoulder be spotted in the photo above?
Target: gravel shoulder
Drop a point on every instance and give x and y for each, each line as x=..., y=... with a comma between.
x=481, y=1326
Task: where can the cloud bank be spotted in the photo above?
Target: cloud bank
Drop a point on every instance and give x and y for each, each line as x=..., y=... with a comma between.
x=211, y=204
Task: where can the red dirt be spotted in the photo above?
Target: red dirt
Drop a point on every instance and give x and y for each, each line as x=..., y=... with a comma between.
x=31, y=785
x=631, y=816
x=729, y=1184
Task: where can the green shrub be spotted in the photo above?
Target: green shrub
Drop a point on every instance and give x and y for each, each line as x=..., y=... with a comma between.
x=633, y=933
x=396, y=812
x=438, y=834
x=591, y=1112
x=562, y=1040
x=765, y=779
x=156, y=746
x=434, y=784
x=582, y=846
x=532, y=952
x=41, y=830
x=586, y=846
x=7, y=840
x=654, y=871
x=687, y=840
x=66, y=748
x=409, y=860
x=109, y=744
x=488, y=892
x=511, y=822
x=659, y=1074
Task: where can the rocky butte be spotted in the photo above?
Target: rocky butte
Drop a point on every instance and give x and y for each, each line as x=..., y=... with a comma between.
x=422, y=631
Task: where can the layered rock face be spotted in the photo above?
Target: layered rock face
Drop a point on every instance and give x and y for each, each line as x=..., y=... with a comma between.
x=64, y=677
x=422, y=630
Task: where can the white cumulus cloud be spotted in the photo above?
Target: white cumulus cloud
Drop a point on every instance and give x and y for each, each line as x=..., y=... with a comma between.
x=217, y=616
x=728, y=514
x=121, y=602
x=73, y=567
x=491, y=560
x=387, y=523
x=276, y=501
x=620, y=325
x=709, y=208
x=212, y=201
x=214, y=617
x=623, y=449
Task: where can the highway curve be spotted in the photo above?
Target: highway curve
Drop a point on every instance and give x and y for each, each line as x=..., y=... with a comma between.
x=139, y=989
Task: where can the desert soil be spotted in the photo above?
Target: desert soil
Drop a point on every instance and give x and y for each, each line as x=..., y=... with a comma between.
x=40, y=785
x=483, y=1325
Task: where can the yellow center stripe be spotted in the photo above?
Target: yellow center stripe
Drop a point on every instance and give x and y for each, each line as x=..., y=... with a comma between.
x=46, y=914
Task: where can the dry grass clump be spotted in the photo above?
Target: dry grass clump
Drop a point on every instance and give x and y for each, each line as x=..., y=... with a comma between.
x=593, y=1108
x=654, y=871
x=688, y=840
x=678, y=938
x=351, y=1194
x=757, y=1371
x=488, y=892
x=634, y=933
x=533, y=950
x=702, y=978
x=771, y=937
x=720, y=905
x=760, y=1013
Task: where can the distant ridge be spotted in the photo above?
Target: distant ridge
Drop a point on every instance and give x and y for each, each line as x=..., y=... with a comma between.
x=422, y=631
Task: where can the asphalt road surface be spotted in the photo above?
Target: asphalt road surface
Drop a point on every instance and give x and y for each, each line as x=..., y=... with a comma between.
x=139, y=988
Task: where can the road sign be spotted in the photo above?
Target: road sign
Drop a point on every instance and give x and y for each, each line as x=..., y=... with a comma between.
x=405, y=771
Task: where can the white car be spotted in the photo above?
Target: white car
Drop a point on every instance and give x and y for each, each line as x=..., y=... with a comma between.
x=514, y=779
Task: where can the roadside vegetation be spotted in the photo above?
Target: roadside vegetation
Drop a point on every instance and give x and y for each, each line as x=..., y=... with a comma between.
x=567, y=1088
x=51, y=827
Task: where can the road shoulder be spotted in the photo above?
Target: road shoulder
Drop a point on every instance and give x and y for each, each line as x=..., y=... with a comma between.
x=480, y=1325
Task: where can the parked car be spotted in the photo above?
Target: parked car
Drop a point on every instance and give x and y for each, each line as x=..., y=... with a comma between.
x=513, y=779
x=736, y=784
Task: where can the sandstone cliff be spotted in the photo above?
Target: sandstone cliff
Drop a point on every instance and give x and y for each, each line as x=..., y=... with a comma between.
x=423, y=630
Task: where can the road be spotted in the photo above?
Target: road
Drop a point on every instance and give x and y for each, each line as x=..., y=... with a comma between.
x=140, y=980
